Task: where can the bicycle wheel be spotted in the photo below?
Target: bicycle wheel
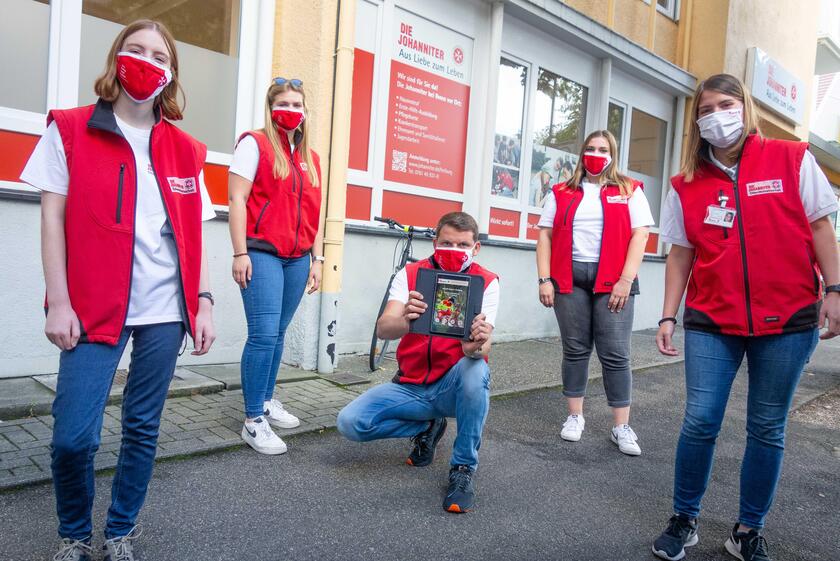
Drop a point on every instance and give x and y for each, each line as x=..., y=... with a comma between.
x=378, y=347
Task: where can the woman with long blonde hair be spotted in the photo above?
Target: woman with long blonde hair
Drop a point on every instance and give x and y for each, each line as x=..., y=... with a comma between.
x=277, y=229
x=122, y=201
x=593, y=232
x=749, y=222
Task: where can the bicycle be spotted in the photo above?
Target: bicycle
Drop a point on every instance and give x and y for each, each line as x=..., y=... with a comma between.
x=379, y=347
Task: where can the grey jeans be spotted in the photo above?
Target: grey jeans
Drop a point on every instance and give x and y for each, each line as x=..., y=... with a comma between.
x=584, y=320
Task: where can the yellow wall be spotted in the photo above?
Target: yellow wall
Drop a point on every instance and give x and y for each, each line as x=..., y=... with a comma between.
x=631, y=21
x=786, y=30
x=304, y=48
x=707, y=36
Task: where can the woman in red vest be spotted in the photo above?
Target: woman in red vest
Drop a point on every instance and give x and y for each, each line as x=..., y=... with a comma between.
x=593, y=232
x=122, y=201
x=748, y=218
x=277, y=229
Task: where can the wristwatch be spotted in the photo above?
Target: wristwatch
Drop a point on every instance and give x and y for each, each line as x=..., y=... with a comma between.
x=319, y=258
x=832, y=288
x=209, y=296
x=544, y=280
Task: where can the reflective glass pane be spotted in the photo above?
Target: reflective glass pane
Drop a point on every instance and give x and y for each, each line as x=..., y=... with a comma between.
x=507, y=149
x=615, y=123
x=208, y=57
x=24, y=50
x=646, y=157
x=559, y=128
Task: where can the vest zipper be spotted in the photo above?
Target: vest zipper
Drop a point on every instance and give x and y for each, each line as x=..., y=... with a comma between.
x=568, y=208
x=725, y=229
x=740, y=212
x=120, y=194
x=300, y=201
x=260, y=217
x=184, y=308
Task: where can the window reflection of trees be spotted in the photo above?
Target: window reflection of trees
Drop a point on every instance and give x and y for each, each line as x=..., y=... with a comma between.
x=565, y=129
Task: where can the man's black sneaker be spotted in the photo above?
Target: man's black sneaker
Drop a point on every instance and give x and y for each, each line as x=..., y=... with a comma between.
x=747, y=546
x=680, y=533
x=461, y=494
x=423, y=451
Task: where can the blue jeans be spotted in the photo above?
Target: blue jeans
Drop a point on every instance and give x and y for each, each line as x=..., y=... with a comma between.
x=403, y=410
x=270, y=301
x=84, y=380
x=775, y=363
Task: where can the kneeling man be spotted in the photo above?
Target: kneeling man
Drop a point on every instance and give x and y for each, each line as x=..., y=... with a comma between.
x=437, y=377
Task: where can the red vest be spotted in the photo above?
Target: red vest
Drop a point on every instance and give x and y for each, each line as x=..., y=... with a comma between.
x=615, y=239
x=758, y=277
x=283, y=214
x=425, y=359
x=99, y=214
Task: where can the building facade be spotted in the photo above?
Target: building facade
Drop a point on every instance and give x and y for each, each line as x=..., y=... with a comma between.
x=470, y=105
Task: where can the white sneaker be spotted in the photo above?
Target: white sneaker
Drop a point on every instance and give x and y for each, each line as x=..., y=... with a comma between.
x=276, y=415
x=260, y=437
x=624, y=437
x=573, y=428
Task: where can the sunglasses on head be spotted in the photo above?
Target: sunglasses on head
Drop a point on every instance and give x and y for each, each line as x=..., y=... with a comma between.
x=294, y=82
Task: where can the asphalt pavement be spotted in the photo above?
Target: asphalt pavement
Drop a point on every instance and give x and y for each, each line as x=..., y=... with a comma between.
x=538, y=498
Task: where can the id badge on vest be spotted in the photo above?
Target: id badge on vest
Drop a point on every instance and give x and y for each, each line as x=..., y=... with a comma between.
x=720, y=216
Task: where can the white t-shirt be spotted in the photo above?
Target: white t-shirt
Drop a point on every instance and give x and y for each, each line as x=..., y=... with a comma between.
x=489, y=306
x=155, y=288
x=818, y=199
x=588, y=224
x=246, y=158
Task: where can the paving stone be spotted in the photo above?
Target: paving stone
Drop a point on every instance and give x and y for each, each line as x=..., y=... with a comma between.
x=224, y=433
x=201, y=425
x=6, y=446
x=13, y=463
x=26, y=470
x=25, y=452
x=19, y=436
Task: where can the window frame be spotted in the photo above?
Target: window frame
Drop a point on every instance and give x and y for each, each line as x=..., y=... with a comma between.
x=516, y=203
x=671, y=11
x=256, y=39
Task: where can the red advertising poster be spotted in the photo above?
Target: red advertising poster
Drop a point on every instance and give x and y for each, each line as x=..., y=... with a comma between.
x=532, y=231
x=504, y=223
x=416, y=210
x=428, y=105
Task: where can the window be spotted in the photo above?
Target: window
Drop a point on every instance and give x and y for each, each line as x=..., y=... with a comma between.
x=208, y=57
x=507, y=149
x=646, y=156
x=615, y=124
x=24, y=46
x=559, y=127
x=669, y=8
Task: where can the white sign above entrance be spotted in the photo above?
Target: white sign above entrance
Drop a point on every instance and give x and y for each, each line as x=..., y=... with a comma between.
x=774, y=87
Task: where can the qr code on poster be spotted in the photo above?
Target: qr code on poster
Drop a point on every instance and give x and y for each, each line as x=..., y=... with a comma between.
x=398, y=160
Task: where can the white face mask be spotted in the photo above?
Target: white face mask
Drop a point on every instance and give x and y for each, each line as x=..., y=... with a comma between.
x=723, y=128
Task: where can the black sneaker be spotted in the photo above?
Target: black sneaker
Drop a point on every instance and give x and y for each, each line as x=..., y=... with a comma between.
x=423, y=451
x=461, y=494
x=680, y=533
x=747, y=546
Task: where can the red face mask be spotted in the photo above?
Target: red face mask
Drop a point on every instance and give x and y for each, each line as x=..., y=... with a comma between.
x=453, y=259
x=595, y=163
x=287, y=119
x=141, y=78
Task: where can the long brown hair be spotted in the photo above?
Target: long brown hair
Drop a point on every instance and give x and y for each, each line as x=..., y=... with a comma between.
x=610, y=173
x=695, y=146
x=108, y=87
x=281, y=161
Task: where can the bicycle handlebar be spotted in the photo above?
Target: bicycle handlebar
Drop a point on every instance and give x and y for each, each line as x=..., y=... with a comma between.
x=428, y=232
